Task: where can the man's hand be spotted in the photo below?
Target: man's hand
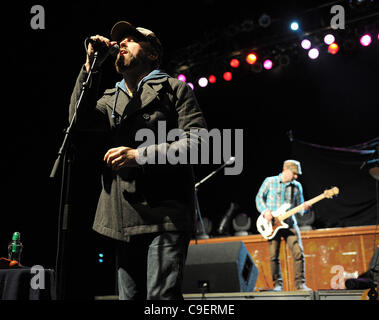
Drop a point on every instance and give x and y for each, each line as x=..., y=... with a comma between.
x=102, y=42
x=306, y=205
x=267, y=215
x=120, y=157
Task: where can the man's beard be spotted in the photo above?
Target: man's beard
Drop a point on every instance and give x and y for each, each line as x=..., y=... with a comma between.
x=127, y=62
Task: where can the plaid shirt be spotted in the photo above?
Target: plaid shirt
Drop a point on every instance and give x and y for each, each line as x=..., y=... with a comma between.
x=274, y=192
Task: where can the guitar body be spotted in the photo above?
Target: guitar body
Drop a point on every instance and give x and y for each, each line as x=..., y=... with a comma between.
x=269, y=229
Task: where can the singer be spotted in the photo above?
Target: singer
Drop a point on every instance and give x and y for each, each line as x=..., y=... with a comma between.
x=148, y=209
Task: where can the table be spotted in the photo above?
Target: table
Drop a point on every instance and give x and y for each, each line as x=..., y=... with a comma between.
x=27, y=283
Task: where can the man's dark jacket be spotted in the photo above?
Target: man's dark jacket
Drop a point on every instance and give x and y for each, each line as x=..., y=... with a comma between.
x=151, y=197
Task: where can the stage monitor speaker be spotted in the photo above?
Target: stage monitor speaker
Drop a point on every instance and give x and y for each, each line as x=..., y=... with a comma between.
x=219, y=267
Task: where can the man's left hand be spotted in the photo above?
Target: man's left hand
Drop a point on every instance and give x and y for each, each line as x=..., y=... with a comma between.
x=121, y=157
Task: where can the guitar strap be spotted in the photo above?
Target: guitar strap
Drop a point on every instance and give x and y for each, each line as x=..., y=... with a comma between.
x=292, y=192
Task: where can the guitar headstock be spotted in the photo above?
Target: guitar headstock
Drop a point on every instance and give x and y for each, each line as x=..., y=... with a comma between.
x=331, y=192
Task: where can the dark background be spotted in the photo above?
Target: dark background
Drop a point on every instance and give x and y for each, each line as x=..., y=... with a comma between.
x=332, y=101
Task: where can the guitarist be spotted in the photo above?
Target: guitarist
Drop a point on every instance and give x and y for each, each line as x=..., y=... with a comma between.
x=274, y=192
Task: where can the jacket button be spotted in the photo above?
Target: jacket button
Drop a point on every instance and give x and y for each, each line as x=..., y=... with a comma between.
x=146, y=116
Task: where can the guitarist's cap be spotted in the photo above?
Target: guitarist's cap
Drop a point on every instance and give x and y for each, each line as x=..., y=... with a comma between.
x=292, y=165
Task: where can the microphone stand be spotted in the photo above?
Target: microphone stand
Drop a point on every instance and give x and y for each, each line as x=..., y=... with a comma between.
x=66, y=153
x=197, y=185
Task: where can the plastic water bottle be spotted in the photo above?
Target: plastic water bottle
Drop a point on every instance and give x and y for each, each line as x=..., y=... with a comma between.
x=15, y=248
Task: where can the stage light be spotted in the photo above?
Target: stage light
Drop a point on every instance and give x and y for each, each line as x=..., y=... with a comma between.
x=333, y=48
x=256, y=68
x=234, y=63
x=191, y=85
x=349, y=44
x=251, y=58
x=212, y=79
x=365, y=40
x=227, y=76
x=100, y=259
x=241, y=224
x=203, y=233
x=182, y=77
x=306, y=44
x=267, y=64
x=294, y=26
x=284, y=60
x=264, y=20
x=313, y=53
x=329, y=39
x=203, y=82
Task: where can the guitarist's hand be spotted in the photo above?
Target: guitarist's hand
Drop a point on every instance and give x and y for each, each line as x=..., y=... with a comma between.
x=267, y=215
x=306, y=205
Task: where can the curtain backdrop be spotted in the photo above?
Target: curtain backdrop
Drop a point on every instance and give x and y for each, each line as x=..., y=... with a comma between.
x=346, y=168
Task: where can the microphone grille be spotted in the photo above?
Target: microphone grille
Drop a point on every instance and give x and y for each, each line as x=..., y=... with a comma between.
x=114, y=50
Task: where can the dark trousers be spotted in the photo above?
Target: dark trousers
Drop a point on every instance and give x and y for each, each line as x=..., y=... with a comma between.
x=150, y=266
x=293, y=240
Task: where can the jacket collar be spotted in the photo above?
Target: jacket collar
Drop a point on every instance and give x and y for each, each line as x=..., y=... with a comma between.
x=148, y=90
x=153, y=75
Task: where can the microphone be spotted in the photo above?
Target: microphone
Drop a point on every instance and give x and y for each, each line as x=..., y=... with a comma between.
x=98, y=46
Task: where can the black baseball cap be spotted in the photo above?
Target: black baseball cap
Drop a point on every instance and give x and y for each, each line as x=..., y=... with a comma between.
x=123, y=28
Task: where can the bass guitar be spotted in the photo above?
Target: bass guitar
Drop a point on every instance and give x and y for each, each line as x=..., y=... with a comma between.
x=268, y=229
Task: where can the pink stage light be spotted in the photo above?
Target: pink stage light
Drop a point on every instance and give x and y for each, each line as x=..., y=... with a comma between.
x=182, y=77
x=203, y=82
x=365, y=40
x=313, y=53
x=191, y=85
x=306, y=44
x=329, y=39
x=267, y=64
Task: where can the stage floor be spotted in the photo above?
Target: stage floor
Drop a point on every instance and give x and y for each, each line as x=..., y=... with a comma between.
x=271, y=295
x=284, y=295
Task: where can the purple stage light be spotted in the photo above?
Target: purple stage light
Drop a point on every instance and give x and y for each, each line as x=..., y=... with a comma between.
x=267, y=64
x=203, y=82
x=329, y=39
x=313, y=53
x=365, y=40
x=306, y=44
x=182, y=77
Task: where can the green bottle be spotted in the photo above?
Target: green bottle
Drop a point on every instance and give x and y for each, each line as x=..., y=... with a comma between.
x=15, y=248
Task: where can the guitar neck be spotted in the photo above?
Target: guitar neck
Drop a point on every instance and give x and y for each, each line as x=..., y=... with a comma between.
x=291, y=212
